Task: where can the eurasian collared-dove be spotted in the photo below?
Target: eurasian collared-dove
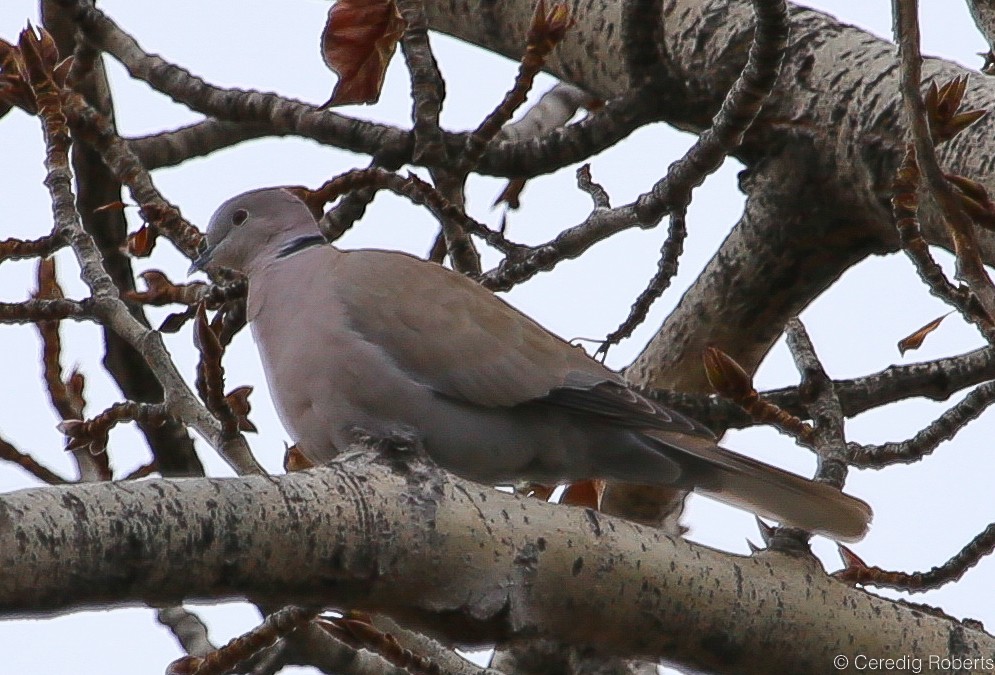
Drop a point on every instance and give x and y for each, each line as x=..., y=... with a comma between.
x=380, y=344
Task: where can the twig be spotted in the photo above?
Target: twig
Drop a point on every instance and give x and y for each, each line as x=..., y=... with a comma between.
x=281, y=115
x=857, y=572
x=428, y=89
x=358, y=631
x=598, y=194
x=18, y=249
x=351, y=207
x=92, y=434
x=666, y=270
x=936, y=380
x=97, y=131
x=738, y=111
x=9, y=453
x=418, y=191
x=66, y=396
x=170, y=148
x=33, y=311
x=211, y=373
x=188, y=629
x=926, y=441
x=545, y=32
x=731, y=381
x=827, y=414
x=275, y=626
x=672, y=194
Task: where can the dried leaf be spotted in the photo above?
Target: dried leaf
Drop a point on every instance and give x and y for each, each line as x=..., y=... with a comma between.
x=511, y=194
x=141, y=243
x=988, y=67
x=942, y=104
x=359, y=39
x=850, y=559
x=61, y=72
x=48, y=283
x=963, y=120
x=238, y=401
x=295, y=460
x=586, y=493
x=75, y=384
x=549, y=26
x=174, y=322
x=725, y=375
x=915, y=340
x=540, y=491
x=185, y=665
x=8, y=56
x=204, y=338
x=111, y=206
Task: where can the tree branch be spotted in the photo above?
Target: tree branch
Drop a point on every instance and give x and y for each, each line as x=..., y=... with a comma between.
x=364, y=536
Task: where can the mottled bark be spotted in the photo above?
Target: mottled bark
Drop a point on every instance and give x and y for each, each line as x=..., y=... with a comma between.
x=465, y=562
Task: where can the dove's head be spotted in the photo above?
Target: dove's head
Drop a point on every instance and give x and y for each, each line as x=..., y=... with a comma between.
x=253, y=228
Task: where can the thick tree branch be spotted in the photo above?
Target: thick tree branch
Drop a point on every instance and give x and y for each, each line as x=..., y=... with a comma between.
x=365, y=536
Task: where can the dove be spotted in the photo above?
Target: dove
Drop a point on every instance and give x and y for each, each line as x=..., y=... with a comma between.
x=376, y=344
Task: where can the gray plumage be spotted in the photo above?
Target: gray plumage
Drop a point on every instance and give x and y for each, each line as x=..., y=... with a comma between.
x=384, y=345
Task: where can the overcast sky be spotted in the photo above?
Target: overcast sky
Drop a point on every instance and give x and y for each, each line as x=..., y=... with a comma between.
x=923, y=513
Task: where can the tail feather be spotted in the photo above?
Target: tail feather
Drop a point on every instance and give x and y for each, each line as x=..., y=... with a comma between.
x=768, y=491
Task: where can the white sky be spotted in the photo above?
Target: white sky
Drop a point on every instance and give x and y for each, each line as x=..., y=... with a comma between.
x=924, y=513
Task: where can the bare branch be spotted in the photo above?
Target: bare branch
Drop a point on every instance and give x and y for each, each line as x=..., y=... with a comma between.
x=18, y=249
x=824, y=406
x=926, y=441
x=188, y=628
x=244, y=647
x=9, y=453
x=428, y=89
x=857, y=572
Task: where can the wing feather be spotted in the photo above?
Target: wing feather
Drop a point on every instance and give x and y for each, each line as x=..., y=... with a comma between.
x=454, y=335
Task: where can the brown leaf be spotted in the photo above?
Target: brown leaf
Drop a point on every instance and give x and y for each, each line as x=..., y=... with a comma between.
x=963, y=120
x=8, y=56
x=725, y=375
x=359, y=39
x=111, y=206
x=141, y=243
x=915, y=340
x=942, y=105
x=586, y=493
x=48, y=283
x=850, y=559
x=295, y=460
x=511, y=194
x=61, y=72
x=174, y=322
x=75, y=384
x=238, y=401
x=540, y=491
x=204, y=338
x=549, y=25
x=185, y=665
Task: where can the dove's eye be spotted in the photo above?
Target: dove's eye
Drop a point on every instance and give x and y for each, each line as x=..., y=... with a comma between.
x=239, y=216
